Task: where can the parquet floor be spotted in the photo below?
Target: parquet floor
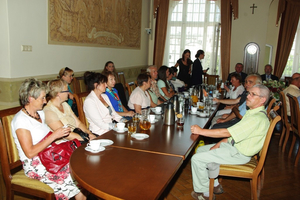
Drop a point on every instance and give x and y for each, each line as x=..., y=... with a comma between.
x=282, y=179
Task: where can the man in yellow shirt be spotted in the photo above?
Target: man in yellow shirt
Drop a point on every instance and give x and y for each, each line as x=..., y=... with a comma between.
x=241, y=141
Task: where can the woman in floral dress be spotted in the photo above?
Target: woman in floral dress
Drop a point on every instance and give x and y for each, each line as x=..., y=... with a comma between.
x=29, y=128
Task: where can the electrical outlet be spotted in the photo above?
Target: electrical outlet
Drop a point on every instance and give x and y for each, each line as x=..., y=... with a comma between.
x=26, y=48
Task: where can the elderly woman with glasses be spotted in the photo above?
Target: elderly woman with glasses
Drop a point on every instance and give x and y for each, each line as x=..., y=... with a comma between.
x=29, y=129
x=98, y=110
x=58, y=113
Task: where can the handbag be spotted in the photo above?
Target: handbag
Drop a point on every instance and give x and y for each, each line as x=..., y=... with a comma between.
x=57, y=156
x=82, y=134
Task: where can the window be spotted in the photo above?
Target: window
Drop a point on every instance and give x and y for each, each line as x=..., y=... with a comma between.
x=194, y=25
x=293, y=63
x=251, y=54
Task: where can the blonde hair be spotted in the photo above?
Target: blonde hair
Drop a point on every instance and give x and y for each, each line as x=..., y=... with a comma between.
x=64, y=71
x=55, y=87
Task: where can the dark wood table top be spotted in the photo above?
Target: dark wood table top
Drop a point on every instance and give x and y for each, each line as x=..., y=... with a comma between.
x=163, y=139
x=122, y=173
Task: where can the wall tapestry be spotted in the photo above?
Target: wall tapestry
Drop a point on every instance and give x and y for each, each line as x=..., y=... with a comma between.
x=110, y=23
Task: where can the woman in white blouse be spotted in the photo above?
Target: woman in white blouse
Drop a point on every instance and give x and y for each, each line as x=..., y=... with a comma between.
x=237, y=87
x=97, y=108
x=140, y=98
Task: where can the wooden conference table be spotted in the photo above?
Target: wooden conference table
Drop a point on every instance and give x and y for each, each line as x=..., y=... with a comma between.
x=136, y=169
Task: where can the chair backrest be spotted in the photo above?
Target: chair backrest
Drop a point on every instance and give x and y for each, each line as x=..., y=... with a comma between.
x=274, y=118
x=10, y=160
x=78, y=85
x=211, y=79
x=130, y=87
x=294, y=107
x=79, y=98
x=121, y=78
x=270, y=104
x=283, y=108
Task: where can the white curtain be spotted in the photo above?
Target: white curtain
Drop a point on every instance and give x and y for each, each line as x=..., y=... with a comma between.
x=194, y=25
x=293, y=63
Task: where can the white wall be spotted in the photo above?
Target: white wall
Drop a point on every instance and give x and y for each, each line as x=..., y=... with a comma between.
x=28, y=25
x=4, y=38
x=253, y=28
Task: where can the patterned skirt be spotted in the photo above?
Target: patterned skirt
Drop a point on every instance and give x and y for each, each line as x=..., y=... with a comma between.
x=62, y=183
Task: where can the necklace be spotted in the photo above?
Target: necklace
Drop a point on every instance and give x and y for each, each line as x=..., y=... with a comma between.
x=37, y=118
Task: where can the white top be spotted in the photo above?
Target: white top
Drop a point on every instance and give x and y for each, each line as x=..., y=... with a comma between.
x=292, y=90
x=98, y=114
x=177, y=84
x=234, y=94
x=139, y=97
x=37, y=130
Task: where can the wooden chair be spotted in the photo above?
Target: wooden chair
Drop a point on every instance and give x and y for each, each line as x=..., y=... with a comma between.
x=295, y=122
x=286, y=128
x=211, y=79
x=13, y=173
x=251, y=170
x=122, y=80
x=79, y=98
x=78, y=85
x=130, y=87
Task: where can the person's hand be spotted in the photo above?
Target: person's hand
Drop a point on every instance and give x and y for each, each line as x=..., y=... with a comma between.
x=216, y=100
x=224, y=116
x=226, y=88
x=204, y=71
x=130, y=113
x=92, y=136
x=71, y=96
x=62, y=132
x=220, y=120
x=195, y=129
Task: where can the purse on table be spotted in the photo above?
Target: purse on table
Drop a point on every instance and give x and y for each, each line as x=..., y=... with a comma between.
x=57, y=156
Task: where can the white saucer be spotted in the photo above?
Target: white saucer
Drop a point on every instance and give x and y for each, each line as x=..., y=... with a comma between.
x=140, y=136
x=156, y=120
x=101, y=148
x=202, y=115
x=194, y=113
x=105, y=142
x=157, y=113
x=120, y=131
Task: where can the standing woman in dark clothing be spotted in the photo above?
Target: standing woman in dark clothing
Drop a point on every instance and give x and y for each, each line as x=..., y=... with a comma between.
x=184, y=64
x=197, y=68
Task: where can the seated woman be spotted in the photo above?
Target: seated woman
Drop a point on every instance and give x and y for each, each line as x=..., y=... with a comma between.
x=97, y=108
x=67, y=75
x=110, y=67
x=164, y=88
x=113, y=96
x=58, y=113
x=28, y=129
x=140, y=98
x=237, y=87
x=175, y=81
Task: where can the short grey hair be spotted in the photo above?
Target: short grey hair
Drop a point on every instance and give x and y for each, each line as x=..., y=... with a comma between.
x=30, y=88
x=264, y=92
x=258, y=78
x=150, y=67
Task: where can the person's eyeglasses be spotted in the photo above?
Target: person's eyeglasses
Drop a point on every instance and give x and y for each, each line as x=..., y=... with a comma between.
x=64, y=91
x=253, y=94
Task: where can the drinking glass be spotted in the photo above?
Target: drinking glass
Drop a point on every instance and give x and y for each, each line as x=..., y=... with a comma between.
x=145, y=124
x=132, y=127
x=135, y=118
x=180, y=122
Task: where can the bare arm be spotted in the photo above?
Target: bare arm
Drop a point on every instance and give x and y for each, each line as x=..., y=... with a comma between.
x=214, y=133
x=227, y=101
x=58, y=124
x=31, y=150
x=228, y=118
x=137, y=108
x=168, y=94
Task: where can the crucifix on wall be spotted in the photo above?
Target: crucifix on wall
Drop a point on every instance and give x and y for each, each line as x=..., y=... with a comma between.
x=253, y=7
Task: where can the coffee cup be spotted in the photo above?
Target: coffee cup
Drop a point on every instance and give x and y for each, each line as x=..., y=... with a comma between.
x=194, y=109
x=120, y=126
x=151, y=118
x=158, y=109
x=186, y=94
x=94, y=144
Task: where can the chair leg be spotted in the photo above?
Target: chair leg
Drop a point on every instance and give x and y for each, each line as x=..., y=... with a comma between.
x=287, y=135
x=282, y=135
x=297, y=157
x=251, y=188
x=254, y=188
x=211, y=188
x=292, y=145
x=9, y=194
x=262, y=178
